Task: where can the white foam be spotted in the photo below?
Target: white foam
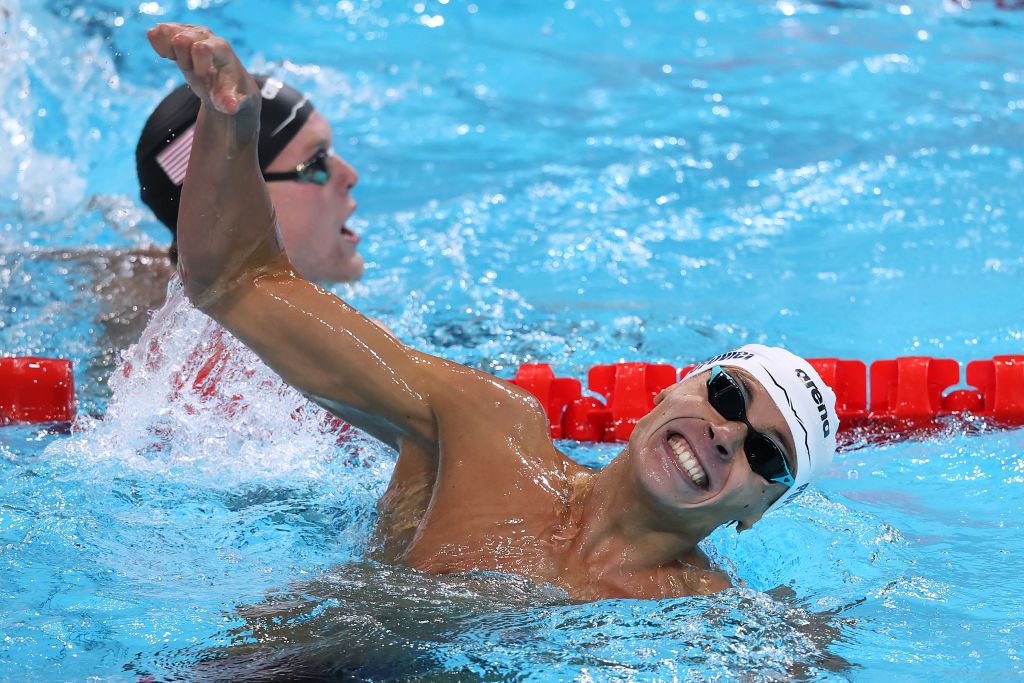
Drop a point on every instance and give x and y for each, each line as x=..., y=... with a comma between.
x=193, y=403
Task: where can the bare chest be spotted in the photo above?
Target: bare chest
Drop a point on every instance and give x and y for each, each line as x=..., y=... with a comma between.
x=483, y=506
x=505, y=533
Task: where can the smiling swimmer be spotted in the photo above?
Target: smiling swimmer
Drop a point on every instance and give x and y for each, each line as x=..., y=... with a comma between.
x=807, y=404
x=478, y=484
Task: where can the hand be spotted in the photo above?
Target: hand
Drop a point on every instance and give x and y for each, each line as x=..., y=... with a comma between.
x=209, y=65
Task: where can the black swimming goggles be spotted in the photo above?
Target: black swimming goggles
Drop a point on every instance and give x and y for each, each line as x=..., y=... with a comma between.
x=316, y=170
x=726, y=395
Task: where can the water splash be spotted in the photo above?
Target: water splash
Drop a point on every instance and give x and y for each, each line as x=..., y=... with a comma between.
x=191, y=403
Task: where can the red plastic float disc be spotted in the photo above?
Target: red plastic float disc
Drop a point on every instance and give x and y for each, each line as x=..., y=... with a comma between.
x=35, y=390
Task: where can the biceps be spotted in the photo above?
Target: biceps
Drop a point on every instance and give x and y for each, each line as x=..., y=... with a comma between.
x=329, y=351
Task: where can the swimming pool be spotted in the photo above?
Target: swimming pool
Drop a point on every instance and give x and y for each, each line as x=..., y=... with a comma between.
x=576, y=183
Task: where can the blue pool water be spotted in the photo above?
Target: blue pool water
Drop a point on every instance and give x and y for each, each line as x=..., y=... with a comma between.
x=576, y=182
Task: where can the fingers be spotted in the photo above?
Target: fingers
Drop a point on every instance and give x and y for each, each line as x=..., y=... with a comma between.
x=161, y=37
x=201, y=56
x=177, y=41
x=160, y=41
x=211, y=64
x=185, y=42
x=207, y=62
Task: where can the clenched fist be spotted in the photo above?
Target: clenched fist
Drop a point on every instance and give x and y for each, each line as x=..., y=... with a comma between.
x=209, y=65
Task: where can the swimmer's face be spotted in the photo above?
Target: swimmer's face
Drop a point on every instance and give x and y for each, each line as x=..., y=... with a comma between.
x=684, y=431
x=313, y=217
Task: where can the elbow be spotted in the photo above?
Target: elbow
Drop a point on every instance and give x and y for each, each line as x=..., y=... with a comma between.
x=211, y=290
x=197, y=288
x=201, y=278
x=209, y=270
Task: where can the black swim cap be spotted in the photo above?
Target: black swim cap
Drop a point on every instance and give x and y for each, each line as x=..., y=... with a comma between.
x=161, y=156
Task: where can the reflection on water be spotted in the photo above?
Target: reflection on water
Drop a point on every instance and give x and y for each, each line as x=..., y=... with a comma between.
x=365, y=621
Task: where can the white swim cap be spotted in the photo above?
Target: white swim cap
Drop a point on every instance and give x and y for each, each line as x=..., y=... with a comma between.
x=807, y=403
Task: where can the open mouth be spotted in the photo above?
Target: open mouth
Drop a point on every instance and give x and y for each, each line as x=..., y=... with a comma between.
x=687, y=460
x=349, y=234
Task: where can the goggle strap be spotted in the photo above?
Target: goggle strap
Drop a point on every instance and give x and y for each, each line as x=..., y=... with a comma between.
x=786, y=479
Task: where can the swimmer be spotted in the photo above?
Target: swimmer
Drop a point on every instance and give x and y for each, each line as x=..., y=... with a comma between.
x=309, y=184
x=478, y=484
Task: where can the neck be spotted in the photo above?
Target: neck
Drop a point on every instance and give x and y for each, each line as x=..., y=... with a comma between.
x=621, y=529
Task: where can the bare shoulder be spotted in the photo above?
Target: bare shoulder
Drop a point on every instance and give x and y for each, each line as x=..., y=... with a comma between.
x=477, y=390
x=494, y=437
x=477, y=408
x=708, y=581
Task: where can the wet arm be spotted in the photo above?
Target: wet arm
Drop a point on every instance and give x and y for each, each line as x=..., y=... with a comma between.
x=234, y=267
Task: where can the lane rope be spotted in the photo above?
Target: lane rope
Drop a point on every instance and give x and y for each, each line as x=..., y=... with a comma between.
x=900, y=395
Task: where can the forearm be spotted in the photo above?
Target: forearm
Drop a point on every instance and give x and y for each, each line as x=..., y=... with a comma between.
x=226, y=223
x=333, y=354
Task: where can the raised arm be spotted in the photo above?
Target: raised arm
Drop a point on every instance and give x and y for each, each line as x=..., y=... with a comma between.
x=226, y=220
x=234, y=268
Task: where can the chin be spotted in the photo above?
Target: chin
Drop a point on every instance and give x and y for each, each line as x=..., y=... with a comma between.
x=660, y=477
x=352, y=269
x=678, y=509
x=346, y=269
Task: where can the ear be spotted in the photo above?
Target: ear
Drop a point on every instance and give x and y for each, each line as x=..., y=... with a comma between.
x=748, y=521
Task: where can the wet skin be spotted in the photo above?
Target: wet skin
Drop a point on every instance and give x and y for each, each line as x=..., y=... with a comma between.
x=478, y=483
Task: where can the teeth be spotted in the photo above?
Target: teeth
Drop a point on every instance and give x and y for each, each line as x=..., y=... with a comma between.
x=686, y=458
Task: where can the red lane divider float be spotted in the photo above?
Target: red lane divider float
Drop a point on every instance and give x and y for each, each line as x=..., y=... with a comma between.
x=36, y=390
x=907, y=394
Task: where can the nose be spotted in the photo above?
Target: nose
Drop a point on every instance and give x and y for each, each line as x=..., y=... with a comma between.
x=347, y=175
x=727, y=437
